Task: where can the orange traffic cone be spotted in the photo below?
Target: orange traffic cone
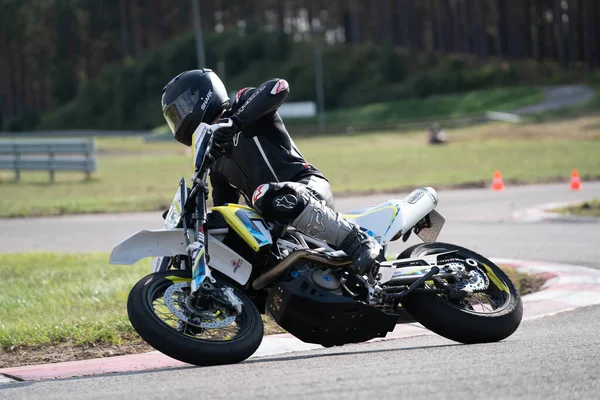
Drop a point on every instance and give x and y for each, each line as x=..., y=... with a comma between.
x=497, y=184
x=575, y=180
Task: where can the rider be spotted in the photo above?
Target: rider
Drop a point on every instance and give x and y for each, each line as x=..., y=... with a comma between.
x=257, y=158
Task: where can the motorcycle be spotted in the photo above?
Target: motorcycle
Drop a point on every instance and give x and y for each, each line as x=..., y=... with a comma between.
x=214, y=274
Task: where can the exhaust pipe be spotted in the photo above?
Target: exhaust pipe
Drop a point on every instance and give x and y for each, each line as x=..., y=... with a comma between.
x=284, y=265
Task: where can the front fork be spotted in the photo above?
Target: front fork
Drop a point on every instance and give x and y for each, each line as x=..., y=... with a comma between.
x=202, y=279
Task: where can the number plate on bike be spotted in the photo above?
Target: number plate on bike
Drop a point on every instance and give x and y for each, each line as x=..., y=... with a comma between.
x=430, y=234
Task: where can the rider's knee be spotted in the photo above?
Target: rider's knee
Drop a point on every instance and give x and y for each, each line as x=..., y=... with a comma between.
x=280, y=201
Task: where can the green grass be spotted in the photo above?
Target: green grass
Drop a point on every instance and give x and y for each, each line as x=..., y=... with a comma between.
x=590, y=208
x=146, y=179
x=388, y=161
x=48, y=297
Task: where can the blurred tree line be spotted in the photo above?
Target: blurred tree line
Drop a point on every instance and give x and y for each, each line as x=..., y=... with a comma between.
x=52, y=51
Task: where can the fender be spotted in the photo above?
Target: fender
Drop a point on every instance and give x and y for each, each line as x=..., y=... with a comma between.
x=171, y=242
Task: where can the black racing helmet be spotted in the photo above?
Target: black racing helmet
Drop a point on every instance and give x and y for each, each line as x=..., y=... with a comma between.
x=190, y=98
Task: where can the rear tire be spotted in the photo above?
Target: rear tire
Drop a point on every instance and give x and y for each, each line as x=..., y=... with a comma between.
x=183, y=346
x=456, y=322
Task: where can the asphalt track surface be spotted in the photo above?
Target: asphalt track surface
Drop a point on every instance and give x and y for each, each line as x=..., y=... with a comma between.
x=558, y=97
x=554, y=357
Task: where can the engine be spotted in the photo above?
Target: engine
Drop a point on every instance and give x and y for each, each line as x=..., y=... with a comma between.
x=325, y=279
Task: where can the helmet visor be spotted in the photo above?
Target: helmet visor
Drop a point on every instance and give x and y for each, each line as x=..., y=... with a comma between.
x=180, y=108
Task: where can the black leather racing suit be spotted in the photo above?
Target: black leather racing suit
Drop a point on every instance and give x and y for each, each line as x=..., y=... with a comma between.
x=263, y=152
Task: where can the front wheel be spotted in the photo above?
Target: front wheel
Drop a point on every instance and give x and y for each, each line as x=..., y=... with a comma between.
x=491, y=311
x=211, y=331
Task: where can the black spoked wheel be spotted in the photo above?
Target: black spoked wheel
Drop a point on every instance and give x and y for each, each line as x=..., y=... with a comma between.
x=200, y=332
x=491, y=311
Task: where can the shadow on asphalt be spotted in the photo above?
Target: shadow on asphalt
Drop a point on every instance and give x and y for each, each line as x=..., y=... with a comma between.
x=15, y=384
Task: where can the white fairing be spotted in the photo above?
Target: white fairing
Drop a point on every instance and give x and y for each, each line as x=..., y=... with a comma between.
x=200, y=139
x=171, y=242
x=386, y=220
x=174, y=215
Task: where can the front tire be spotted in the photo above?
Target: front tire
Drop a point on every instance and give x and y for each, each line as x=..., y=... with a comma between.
x=167, y=333
x=466, y=321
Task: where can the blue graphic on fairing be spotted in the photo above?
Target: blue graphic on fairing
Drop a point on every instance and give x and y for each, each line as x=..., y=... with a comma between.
x=367, y=231
x=371, y=233
x=256, y=233
x=396, y=212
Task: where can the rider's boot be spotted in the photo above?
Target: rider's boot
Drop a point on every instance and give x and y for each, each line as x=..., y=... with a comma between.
x=321, y=222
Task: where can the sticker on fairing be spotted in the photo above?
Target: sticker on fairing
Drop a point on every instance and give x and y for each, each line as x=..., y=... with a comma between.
x=415, y=197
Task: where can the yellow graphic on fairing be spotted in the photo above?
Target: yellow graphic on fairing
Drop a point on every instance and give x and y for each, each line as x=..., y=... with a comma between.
x=358, y=218
x=394, y=209
x=254, y=238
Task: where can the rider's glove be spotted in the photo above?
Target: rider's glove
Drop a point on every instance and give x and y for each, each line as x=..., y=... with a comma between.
x=222, y=139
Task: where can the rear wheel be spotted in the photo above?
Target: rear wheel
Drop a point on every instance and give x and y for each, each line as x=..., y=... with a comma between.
x=491, y=311
x=209, y=331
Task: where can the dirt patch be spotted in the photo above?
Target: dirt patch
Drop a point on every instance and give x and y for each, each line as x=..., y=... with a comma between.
x=590, y=208
x=61, y=352
x=525, y=283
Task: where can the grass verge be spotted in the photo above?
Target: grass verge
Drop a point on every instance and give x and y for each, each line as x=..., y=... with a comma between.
x=590, y=208
x=63, y=307
x=144, y=179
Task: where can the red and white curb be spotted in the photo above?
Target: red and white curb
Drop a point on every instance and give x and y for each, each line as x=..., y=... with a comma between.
x=567, y=287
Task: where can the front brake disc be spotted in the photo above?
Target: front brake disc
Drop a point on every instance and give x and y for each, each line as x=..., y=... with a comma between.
x=175, y=301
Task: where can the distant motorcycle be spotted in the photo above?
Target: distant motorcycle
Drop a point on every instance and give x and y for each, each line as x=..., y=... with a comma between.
x=215, y=273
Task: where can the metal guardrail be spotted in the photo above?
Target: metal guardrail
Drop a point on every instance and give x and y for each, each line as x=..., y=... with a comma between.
x=39, y=155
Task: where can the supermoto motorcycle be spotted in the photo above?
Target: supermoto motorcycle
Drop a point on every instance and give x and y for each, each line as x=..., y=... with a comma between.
x=214, y=274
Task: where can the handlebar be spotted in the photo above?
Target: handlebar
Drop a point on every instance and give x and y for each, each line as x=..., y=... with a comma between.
x=208, y=158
